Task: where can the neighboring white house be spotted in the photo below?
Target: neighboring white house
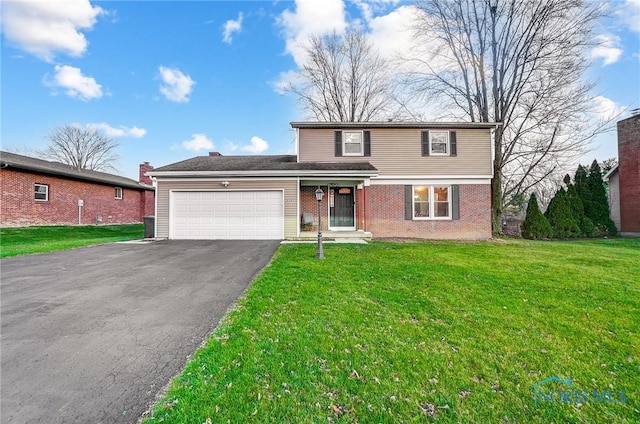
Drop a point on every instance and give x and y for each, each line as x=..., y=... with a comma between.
x=613, y=178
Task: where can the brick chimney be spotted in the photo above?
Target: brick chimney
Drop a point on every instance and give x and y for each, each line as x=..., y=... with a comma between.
x=144, y=167
x=214, y=154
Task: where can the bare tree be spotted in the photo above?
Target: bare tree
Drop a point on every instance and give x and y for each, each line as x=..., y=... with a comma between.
x=343, y=79
x=520, y=63
x=82, y=148
x=608, y=164
x=23, y=150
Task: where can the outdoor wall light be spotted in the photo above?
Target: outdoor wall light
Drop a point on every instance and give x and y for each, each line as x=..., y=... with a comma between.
x=319, y=251
x=225, y=183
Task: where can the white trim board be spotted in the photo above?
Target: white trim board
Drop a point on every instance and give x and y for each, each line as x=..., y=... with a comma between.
x=431, y=181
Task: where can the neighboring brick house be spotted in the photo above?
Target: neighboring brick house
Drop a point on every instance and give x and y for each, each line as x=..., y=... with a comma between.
x=624, y=179
x=40, y=192
x=380, y=179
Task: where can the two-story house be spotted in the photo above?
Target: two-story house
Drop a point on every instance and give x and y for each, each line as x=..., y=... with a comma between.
x=380, y=179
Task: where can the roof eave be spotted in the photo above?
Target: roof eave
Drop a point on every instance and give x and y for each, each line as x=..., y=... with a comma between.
x=610, y=173
x=460, y=125
x=71, y=175
x=288, y=173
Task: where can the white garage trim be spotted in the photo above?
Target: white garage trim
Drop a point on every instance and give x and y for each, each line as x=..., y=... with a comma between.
x=247, y=214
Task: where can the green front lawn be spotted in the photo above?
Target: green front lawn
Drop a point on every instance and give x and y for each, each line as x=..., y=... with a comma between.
x=25, y=240
x=418, y=332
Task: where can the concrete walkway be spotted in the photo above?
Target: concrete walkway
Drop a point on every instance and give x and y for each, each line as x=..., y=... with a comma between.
x=91, y=335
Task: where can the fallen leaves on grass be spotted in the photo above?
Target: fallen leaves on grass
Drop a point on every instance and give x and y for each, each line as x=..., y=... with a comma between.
x=171, y=404
x=339, y=410
x=429, y=409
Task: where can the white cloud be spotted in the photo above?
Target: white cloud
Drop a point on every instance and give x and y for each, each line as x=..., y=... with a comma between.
x=197, y=142
x=285, y=80
x=44, y=28
x=77, y=85
x=310, y=18
x=608, y=49
x=391, y=33
x=136, y=132
x=230, y=27
x=606, y=109
x=630, y=14
x=120, y=131
x=368, y=8
x=231, y=146
x=257, y=146
x=176, y=86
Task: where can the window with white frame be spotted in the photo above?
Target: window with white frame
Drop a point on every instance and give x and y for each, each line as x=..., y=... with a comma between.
x=118, y=193
x=352, y=143
x=421, y=207
x=439, y=143
x=41, y=192
x=431, y=202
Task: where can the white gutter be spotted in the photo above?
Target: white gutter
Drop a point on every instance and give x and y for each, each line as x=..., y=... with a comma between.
x=263, y=173
x=396, y=124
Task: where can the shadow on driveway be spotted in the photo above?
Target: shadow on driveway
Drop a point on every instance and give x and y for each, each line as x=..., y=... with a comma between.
x=91, y=335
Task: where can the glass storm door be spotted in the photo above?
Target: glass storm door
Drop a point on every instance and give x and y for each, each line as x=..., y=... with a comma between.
x=342, y=207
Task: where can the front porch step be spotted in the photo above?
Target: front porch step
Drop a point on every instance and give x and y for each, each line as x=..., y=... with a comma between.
x=334, y=235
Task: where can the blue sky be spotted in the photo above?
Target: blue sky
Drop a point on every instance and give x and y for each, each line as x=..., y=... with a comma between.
x=173, y=80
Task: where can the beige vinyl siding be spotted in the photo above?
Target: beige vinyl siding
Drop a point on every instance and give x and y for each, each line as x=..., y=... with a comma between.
x=398, y=151
x=614, y=198
x=290, y=187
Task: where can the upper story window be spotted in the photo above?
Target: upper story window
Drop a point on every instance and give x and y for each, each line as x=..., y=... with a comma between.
x=41, y=192
x=439, y=143
x=352, y=143
x=118, y=193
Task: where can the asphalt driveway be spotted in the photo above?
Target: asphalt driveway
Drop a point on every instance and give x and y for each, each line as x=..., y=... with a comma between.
x=91, y=335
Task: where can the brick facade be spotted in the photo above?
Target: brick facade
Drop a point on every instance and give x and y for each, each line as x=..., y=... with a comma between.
x=308, y=203
x=385, y=215
x=629, y=174
x=142, y=177
x=380, y=210
x=18, y=207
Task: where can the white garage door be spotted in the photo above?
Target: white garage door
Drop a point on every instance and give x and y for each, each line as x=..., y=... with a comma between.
x=227, y=215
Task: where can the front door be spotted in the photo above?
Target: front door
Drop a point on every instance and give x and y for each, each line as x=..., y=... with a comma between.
x=342, y=208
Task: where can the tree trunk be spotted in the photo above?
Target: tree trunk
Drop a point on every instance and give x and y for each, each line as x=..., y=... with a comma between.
x=496, y=185
x=496, y=202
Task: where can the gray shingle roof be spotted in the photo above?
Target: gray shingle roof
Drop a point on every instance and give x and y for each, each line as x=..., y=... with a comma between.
x=12, y=160
x=259, y=163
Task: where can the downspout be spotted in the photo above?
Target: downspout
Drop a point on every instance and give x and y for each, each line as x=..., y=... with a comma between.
x=298, y=206
x=80, y=205
x=364, y=207
x=154, y=182
x=297, y=145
